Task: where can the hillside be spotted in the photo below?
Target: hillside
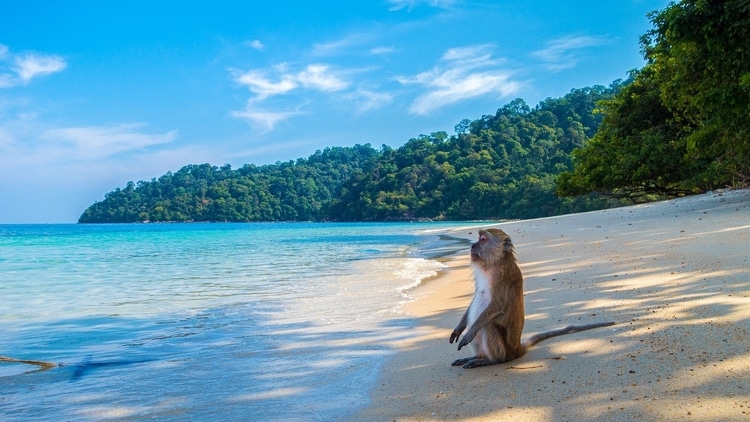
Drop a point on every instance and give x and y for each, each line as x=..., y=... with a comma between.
x=499, y=166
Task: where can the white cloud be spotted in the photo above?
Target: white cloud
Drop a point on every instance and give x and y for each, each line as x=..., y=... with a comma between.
x=73, y=166
x=104, y=141
x=315, y=77
x=367, y=100
x=21, y=69
x=7, y=80
x=31, y=65
x=378, y=51
x=262, y=86
x=263, y=120
x=256, y=45
x=410, y=4
x=560, y=53
x=344, y=44
x=17, y=134
x=319, y=77
x=474, y=53
x=463, y=73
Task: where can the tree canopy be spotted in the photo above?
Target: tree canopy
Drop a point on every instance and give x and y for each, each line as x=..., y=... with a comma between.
x=683, y=125
x=285, y=191
x=498, y=166
x=679, y=125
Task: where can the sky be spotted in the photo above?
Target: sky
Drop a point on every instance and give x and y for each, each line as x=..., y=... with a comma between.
x=94, y=94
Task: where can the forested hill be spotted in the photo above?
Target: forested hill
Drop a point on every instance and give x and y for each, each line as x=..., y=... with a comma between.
x=498, y=166
x=681, y=125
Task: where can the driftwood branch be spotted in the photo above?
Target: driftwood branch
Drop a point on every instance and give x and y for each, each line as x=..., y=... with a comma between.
x=39, y=363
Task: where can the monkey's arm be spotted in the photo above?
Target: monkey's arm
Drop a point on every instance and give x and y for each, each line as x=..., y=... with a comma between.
x=487, y=316
x=460, y=327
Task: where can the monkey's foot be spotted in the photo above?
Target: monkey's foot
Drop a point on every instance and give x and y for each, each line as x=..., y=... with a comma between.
x=472, y=362
x=461, y=362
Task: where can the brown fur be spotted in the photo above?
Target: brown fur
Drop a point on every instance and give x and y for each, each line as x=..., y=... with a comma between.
x=495, y=316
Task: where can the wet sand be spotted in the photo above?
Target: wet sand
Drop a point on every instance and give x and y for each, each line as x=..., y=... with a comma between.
x=673, y=275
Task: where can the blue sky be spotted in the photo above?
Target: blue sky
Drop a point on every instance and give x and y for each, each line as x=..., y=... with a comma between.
x=94, y=94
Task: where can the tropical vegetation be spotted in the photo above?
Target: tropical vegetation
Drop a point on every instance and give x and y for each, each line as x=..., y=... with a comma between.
x=498, y=166
x=683, y=125
x=680, y=125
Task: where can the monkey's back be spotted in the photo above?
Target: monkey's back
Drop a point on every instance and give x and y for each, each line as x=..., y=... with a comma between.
x=509, y=282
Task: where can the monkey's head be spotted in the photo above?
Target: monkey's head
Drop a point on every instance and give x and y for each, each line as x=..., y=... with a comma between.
x=493, y=246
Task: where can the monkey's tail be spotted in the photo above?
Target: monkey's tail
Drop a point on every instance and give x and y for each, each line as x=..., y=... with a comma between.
x=536, y=338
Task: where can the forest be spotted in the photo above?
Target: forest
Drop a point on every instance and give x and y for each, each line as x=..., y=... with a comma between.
x=682, y=125
x=678, y=126
x=499, y=166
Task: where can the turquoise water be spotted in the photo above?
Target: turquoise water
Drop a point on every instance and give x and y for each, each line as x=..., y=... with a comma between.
x=277, y=321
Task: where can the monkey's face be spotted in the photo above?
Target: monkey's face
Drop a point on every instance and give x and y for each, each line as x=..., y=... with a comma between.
x=492, y=246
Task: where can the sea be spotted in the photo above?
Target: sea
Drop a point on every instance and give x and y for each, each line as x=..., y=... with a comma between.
x=206, y=321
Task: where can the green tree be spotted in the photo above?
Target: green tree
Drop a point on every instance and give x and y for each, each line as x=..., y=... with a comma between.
x=639, y=149
x=683, y=125
x=699, y=55
x=498, y=166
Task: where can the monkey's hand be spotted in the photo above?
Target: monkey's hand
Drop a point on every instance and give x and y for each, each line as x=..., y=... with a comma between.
x=468, y=337
x=464, y=341
x=456, y=334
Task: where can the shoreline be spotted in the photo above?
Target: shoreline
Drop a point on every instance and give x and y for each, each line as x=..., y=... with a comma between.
x=671, y=274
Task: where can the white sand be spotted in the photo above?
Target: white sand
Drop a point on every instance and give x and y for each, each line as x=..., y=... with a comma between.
x=675, y=277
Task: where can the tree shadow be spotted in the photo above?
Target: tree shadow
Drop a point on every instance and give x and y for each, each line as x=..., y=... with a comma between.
x=234, y=361
x=679, y=293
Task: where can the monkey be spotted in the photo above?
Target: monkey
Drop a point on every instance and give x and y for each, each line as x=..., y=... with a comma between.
x=495, y=316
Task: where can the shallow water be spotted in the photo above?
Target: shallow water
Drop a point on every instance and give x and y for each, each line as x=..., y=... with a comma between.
x=285, y=321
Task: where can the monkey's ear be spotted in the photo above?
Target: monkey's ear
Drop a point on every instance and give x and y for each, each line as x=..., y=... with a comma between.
x=507, y=244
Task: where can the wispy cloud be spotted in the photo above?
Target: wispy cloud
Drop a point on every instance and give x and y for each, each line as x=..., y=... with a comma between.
x=7, y=80
x=367, y=100
x=378, y=51
x=340, y=46
x=262, y=86
x=319, y=78
x=20, y=69
x=31, y=65
x=463, y=73
x=561, y=53
x=410, y=4
x=263, y=121
x=315, y=76
x=103, y=141
x=73, y=166
x=27, y=141
x=256, y=45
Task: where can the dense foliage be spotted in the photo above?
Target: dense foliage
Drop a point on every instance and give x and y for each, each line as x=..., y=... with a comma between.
x=498, y=166
x=683, y=126
x=288, y=191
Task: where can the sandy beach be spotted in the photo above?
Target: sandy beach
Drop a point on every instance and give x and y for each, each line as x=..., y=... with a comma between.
x=673, y=275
